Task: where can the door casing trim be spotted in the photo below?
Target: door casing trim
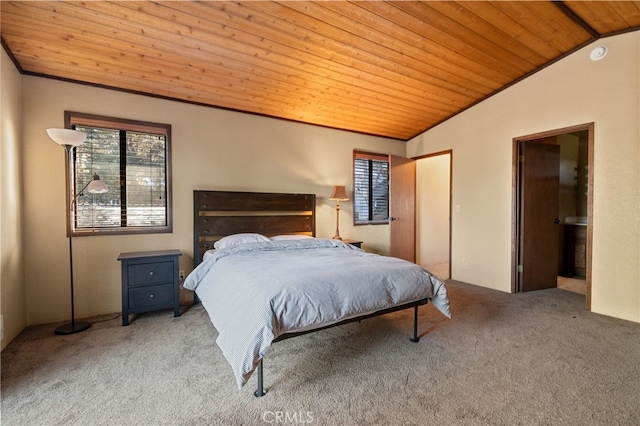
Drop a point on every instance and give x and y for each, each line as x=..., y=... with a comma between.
x=515, y=204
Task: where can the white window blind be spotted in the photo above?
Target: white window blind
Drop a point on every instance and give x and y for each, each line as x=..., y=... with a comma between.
x=146, y=180
x=371, y=184
x=99, y=154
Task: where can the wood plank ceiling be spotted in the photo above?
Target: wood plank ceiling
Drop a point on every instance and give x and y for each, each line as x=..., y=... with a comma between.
x=393, y=69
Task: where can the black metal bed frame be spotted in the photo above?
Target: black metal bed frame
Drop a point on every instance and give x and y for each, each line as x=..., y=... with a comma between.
x=260, y=389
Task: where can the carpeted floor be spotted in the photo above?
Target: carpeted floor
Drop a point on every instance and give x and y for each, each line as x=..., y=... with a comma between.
x=503, y=359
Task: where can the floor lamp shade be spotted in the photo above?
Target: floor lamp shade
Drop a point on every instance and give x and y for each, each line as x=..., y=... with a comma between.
x=339, y=194
x=96, y=186
x=67, y=136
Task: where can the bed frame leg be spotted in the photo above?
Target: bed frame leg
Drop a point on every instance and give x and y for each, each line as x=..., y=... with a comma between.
x=415, y=337
x=260, y=391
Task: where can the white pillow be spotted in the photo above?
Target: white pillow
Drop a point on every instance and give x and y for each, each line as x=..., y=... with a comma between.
x=208, y=253
x=290, y=237
x=234, y=240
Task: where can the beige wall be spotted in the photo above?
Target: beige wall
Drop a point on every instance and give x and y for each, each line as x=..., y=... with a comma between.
x=212, y=149
x=12, y=298
x=572, y=91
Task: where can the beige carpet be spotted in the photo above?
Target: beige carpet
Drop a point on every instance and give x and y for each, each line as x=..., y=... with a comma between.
x=504, y=359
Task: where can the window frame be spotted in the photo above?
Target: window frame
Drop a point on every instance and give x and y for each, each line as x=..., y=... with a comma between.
x=73, y=119
x=375, y=157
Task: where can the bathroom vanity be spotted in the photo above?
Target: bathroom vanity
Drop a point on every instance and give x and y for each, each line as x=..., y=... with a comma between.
x=575, y=249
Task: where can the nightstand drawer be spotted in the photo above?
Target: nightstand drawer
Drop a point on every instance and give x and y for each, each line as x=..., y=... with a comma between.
x=150, y=273
x=151, y=297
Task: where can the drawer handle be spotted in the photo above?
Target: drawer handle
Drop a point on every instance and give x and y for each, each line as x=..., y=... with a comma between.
x=151, y=273
x=151, y=296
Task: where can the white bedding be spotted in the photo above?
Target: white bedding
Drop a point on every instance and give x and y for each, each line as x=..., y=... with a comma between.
x=255, y=292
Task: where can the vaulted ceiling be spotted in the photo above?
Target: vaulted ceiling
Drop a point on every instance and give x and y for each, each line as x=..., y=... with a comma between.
x=393, y=69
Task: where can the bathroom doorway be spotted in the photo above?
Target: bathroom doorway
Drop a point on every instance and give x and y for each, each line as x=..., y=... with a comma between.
x=433, y=213
x=553, y=201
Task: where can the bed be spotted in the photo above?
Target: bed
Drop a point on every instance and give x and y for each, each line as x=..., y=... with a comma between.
x=263, y=276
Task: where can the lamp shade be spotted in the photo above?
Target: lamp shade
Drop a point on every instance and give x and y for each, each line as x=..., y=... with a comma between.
x=67, y=136
x=339, y=193
x=96, y=186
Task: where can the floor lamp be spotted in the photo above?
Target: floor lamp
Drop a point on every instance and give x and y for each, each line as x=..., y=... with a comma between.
x=339, y=194
x=69, y=139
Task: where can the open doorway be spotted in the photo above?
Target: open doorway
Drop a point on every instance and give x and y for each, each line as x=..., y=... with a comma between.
x=552, y=209
x=433, y=213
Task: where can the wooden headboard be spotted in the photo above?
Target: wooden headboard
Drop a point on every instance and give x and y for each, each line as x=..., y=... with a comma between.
x=221, y=213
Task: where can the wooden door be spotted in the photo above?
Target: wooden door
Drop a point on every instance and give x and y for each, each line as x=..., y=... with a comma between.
x=539, y=206
x=402, y=207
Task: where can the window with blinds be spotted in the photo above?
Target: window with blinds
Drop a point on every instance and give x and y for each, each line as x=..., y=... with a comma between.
x=371, y=188
x=132, y=159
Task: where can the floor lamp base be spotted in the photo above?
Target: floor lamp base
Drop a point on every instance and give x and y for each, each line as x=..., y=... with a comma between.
x=71, y=328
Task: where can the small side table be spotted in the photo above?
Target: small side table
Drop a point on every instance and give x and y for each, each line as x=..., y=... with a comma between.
x=355, y=243
x=150, y=282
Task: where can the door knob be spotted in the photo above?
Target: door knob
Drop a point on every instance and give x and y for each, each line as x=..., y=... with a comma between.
x=556, y=221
